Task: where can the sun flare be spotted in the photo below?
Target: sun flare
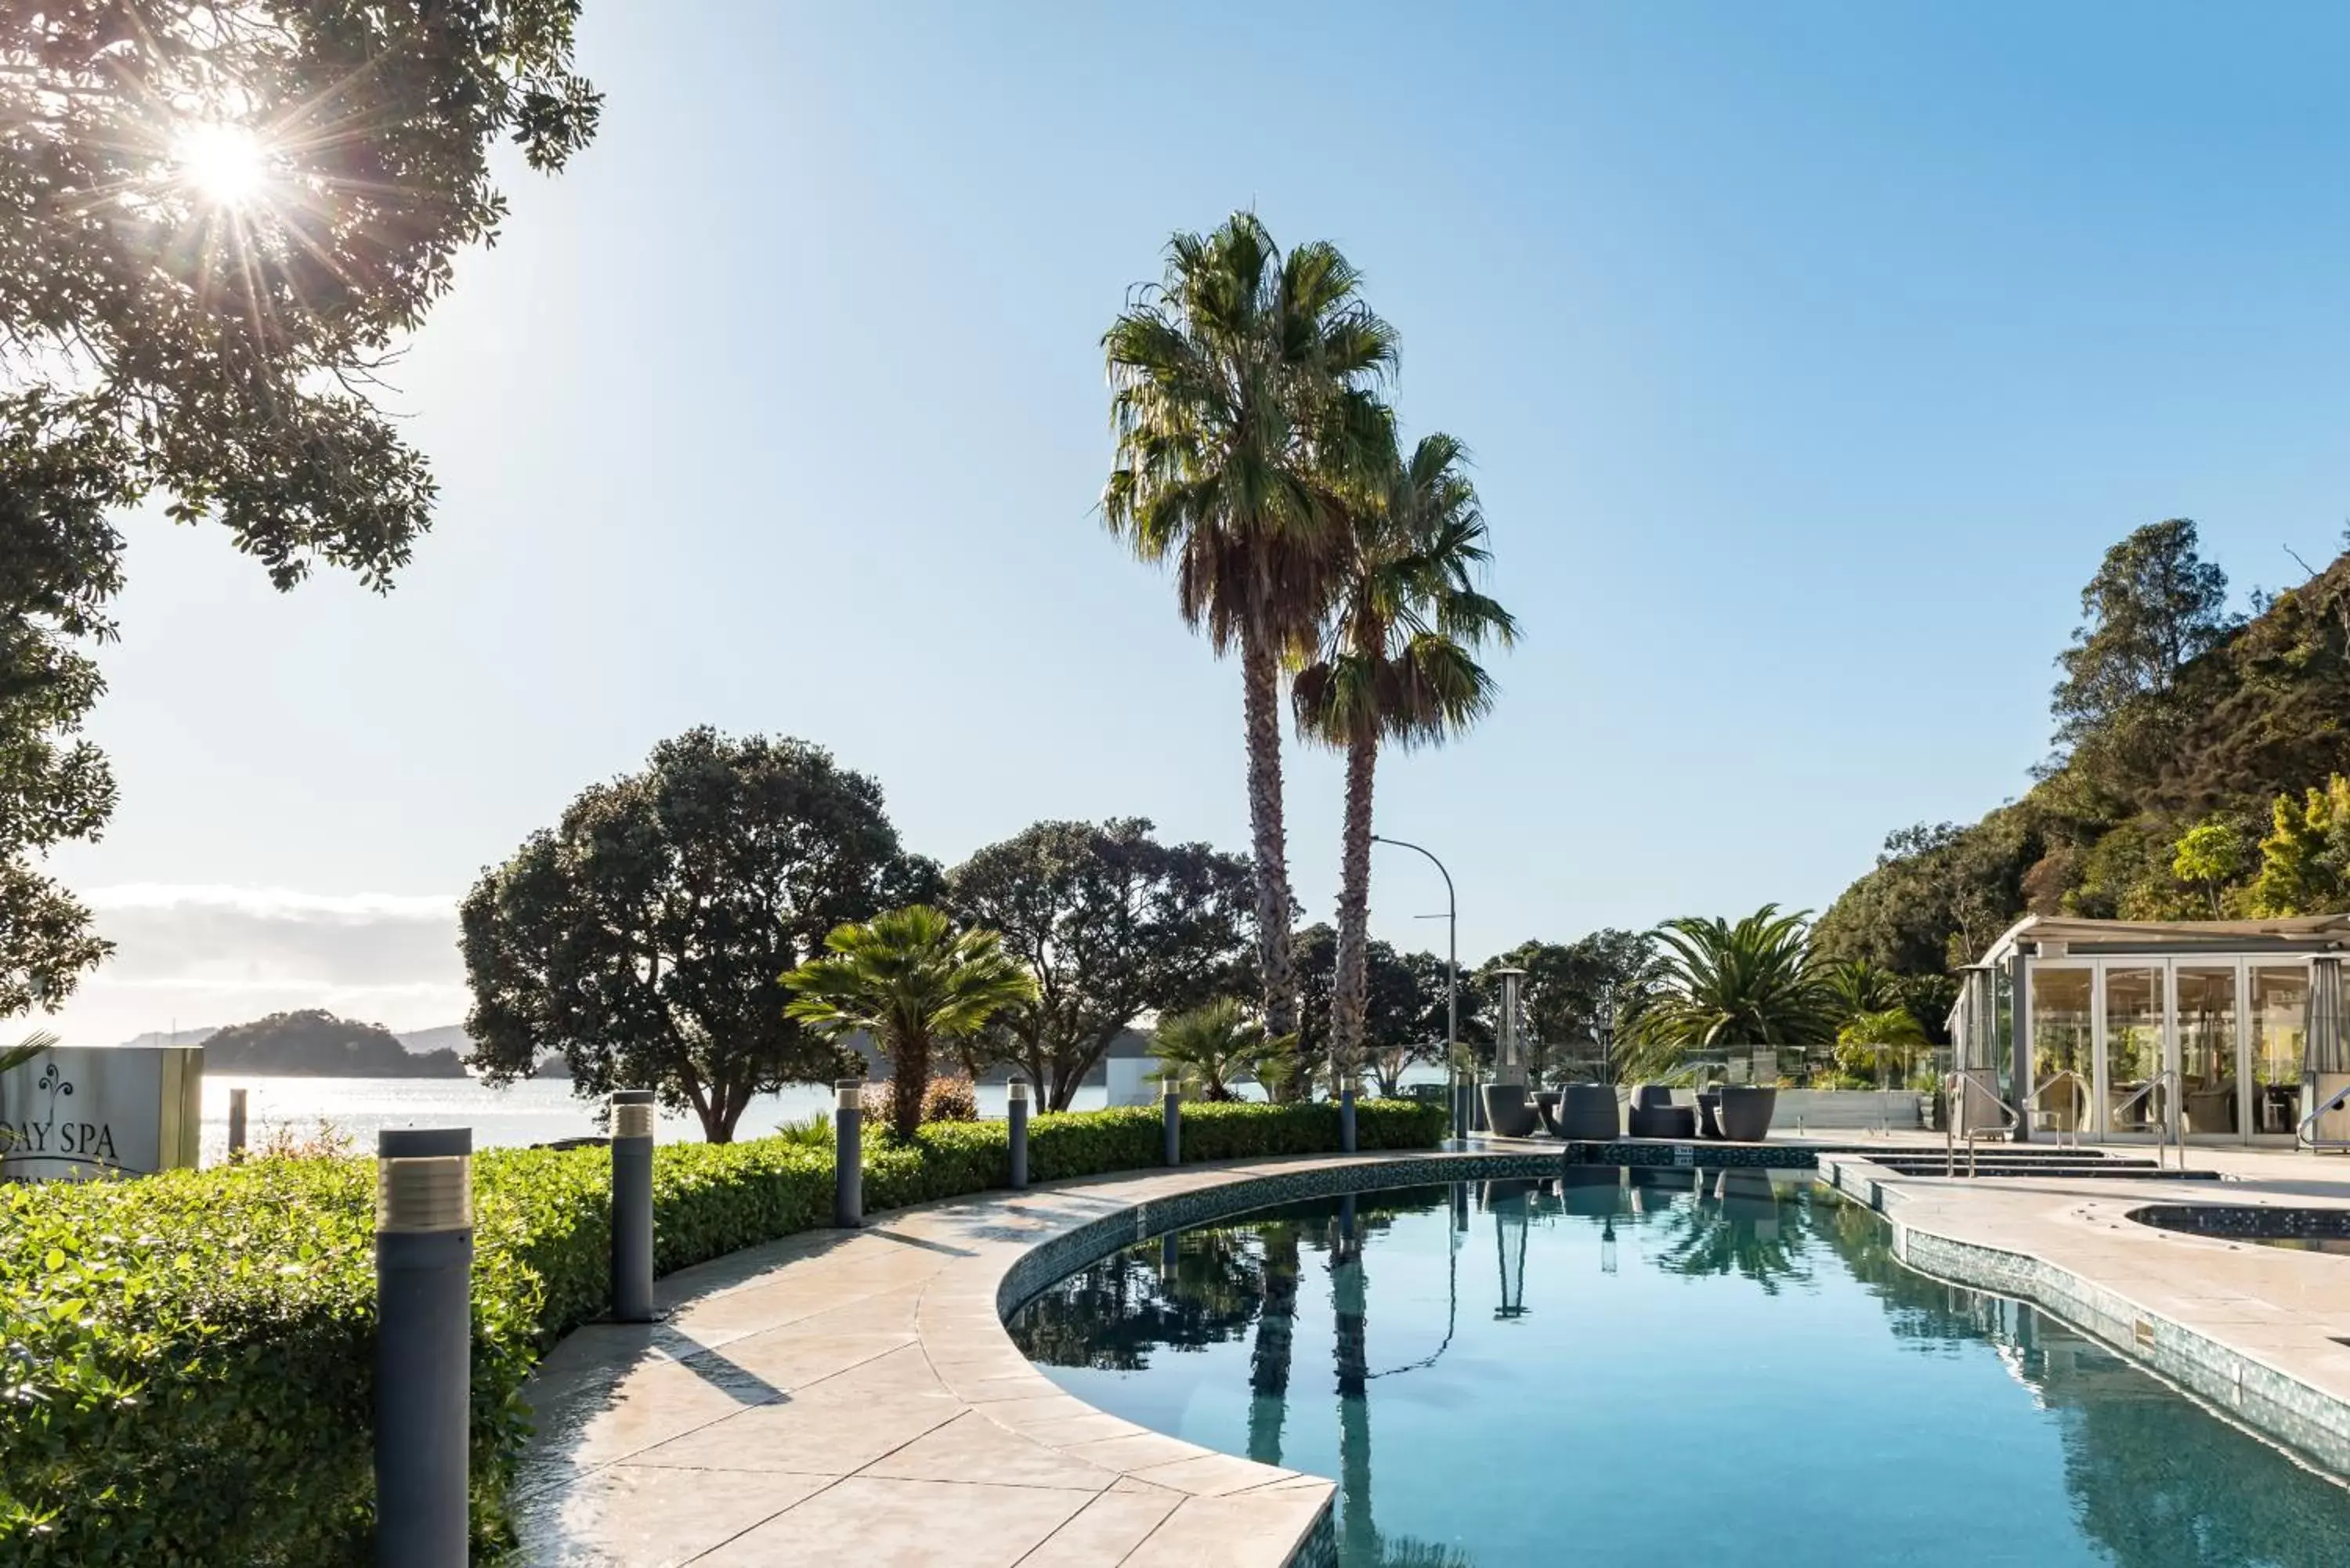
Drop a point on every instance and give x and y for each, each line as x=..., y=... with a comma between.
x=225, y=164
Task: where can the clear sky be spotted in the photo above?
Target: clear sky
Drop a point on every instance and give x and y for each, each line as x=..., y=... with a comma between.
x=1810, y=355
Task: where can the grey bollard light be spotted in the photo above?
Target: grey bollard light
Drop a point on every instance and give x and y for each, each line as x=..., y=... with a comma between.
x=1015, y=1111
x=1347, y=1119
x=423, y=1344
x=848, y=1155
x=235, y=1123
x=632, y=1206
x=1174, y=1114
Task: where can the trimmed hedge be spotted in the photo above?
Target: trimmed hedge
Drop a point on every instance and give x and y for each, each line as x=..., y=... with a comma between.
x=186, y=1361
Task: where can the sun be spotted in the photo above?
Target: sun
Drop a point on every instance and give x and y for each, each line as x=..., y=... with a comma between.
x=226, y=165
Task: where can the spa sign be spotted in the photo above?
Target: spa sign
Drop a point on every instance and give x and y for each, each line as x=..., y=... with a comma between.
x=80, y=1111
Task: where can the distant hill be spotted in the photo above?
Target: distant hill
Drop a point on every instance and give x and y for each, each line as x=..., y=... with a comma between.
x=175, y=1036
x=447, y=1037
x=313, y=1043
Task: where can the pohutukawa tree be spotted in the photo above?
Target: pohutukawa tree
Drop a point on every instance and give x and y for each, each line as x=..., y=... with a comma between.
x=645, y=936
x=912, y=982
x=1396, y=664
x=1243, y=392
x=1112, y=924
x=215, y=223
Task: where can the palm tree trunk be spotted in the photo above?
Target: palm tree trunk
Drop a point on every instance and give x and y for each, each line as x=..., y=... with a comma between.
x=1350, y=997
x=1268, y=843
x=909, y=1079
x=1349, y=1293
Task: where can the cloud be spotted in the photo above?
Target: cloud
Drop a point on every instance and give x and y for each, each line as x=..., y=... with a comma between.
x=210, y=955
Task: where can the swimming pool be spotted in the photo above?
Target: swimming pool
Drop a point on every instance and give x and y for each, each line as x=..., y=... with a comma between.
x=1727, y=1368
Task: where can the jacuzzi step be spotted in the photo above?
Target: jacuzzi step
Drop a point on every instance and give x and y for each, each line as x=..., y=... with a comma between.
x=2109, y=1170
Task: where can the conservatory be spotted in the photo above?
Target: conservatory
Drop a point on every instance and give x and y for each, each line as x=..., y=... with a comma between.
x=2120, y=1031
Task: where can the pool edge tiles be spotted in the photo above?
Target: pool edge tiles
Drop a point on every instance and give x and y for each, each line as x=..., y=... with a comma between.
x=2172, y=1314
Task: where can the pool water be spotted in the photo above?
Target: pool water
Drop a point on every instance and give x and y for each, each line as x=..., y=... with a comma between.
x=1724, y=1369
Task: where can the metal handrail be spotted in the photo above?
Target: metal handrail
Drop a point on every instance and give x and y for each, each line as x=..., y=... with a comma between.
x=1950, y=1084
x=2305, y=1136
x=2170, y=1121
x=2087, y=1101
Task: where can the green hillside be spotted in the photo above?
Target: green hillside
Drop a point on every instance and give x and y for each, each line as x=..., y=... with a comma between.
x=2198, y=773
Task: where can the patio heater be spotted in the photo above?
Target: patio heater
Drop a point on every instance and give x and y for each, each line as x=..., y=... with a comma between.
x=1509, y=1064
x=1506, y=1202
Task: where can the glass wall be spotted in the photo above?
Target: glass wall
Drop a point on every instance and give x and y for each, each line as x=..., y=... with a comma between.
x=2133, y=1047
x=2061, y=1042
x=2207, y=1049
x=2280, y=1020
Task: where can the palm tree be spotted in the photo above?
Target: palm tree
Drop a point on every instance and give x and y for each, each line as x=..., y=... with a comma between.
x=1752, y=983
x=1213, y=1046
x=1242, y=388
x=1861, y=985
x=25, y=1050
x=1396, y=662
x=912, y=981
x=1880, y=1040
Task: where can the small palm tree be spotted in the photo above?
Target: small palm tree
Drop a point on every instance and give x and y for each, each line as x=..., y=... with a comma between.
x=1861, y=985
x=1213, y=1047
x=1751, y=983
x=912, y=981
x=1869, y=1042
x=1240, y=384
x=1397, y=663
x=25, y=1050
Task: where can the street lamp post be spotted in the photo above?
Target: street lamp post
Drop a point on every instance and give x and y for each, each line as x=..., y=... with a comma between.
x=1451, y=988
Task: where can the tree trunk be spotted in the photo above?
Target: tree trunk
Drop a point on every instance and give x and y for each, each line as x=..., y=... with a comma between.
x=1350, y=992
x=1269, y=1357
x=1349, y=1294
x=1268, y=843
x=909, y=1079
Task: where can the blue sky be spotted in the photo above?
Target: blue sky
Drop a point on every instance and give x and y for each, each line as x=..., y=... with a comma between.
x=1810, y=355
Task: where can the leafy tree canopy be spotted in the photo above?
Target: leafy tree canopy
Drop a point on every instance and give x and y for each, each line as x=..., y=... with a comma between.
x=215, y=224
x=1112, y=924
x=2154, y=607
x=645, y=936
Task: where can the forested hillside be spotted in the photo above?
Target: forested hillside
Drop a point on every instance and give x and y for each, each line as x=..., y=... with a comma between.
x=2199, y=773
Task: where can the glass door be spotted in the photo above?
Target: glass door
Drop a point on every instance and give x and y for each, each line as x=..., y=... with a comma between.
x=2062, y=1035
x=2132, y=1048
x=2279, y=1015
x=2209, y=1080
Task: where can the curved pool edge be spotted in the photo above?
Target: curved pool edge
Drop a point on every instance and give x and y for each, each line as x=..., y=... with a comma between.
x=807, y=1392
x=2280, y=1374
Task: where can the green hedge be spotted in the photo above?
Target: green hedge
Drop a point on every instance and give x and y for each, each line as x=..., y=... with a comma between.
x=186, y=1360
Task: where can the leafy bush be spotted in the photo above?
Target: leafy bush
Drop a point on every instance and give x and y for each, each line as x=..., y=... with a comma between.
x=186, y=1361
x=949, y=1099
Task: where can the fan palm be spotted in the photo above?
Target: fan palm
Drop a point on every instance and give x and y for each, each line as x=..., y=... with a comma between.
x=1397, y=663
x=1242, y=388
x=1213, y=1047
x=1752, y=983
x=912, y=981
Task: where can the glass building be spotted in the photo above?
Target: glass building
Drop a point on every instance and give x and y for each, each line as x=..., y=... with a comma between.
x=2107, y=1030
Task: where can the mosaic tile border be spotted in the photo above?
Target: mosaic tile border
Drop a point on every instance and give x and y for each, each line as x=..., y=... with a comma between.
x=2309, y=1421
x=2247, y=1222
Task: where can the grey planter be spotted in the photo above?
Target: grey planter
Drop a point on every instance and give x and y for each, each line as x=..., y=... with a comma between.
x=1746, y=1112
x=1508, y=1112
x=1587, y=1113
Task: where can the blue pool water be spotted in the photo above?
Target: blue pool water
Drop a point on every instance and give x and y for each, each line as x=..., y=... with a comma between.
x=1718, y=1369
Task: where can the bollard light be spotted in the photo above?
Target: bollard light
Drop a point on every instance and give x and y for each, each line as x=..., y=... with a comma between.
x=848, y=1155
x=1015, y=1110
x=1347, y=1118
x=1173, y=1110
x=423, y=1349
x=235, y=1124
x=632, y=1206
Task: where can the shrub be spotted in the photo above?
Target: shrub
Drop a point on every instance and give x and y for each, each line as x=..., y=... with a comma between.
x=186, y=1361
x=951, y=1099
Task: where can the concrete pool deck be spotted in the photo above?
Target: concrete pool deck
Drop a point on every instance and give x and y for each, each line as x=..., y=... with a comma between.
x=852, y=1397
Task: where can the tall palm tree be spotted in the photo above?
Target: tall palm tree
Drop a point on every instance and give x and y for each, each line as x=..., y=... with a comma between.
x=913, y=981
x=1396, y=663
x=1752, y=983
x=1242, y=389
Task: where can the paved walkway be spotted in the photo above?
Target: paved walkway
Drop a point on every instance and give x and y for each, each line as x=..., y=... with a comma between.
x=853, y=1398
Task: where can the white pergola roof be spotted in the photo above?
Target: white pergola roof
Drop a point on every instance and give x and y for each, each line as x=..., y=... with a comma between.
x=2294, y=931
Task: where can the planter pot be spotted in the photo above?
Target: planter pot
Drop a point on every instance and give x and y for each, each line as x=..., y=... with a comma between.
x=1587, y=1113
x=1746, y=1112
x=1508, y=1112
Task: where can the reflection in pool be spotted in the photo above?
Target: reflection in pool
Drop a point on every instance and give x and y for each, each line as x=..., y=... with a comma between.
x=1727, y=1368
